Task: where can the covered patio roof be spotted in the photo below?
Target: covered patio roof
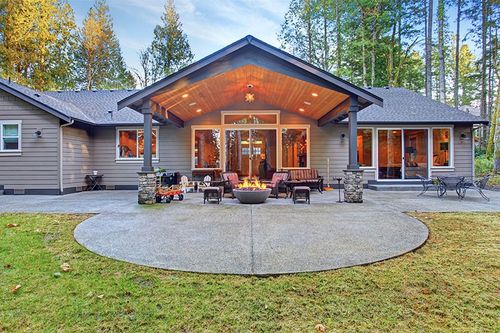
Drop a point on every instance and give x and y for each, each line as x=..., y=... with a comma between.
x=278, y=79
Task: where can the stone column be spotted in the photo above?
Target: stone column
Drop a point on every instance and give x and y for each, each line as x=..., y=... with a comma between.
x=353, y=185
x=353, y=175
x=147, y=188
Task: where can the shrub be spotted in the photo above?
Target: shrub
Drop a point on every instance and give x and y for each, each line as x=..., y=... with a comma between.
x=483, y=165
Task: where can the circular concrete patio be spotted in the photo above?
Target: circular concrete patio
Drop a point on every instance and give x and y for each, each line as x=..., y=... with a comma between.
x=252, y=239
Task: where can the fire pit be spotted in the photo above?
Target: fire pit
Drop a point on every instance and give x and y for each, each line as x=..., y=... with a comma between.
x=252, y=192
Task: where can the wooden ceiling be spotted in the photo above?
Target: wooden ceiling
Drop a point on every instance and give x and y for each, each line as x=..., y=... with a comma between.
x=281, y=91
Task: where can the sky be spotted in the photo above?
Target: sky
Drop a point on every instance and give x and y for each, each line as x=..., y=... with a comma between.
x=209, y=24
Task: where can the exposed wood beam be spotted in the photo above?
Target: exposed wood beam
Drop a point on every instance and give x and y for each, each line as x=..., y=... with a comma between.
x=165, y=116
x=337, y=114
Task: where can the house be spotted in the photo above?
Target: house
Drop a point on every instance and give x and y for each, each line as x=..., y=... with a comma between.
x=249, y=108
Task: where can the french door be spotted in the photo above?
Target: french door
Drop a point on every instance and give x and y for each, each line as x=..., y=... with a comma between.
x=403, y=153
x=251, y=152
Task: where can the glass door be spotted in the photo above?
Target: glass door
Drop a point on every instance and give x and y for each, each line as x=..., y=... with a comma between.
x=237, y=152
x=415, y=153
x=263, y=148
x=390, y=159
x=251, y=152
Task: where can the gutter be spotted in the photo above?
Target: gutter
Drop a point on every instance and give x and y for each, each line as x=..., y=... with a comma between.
x=61, y=142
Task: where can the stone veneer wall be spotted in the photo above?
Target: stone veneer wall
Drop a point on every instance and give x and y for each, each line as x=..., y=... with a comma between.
x=353, y=185
x=147, y=188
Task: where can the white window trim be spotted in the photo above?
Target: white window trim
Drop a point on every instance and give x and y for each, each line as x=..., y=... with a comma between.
x=11, y=152
x=371, y=167
x=193, y=144
x=119, y=159
x=451, y=148
x=307, y=127
x=402, y=129
x=250, y=112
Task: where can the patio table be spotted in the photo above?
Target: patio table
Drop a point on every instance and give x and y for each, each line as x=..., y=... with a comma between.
x=451, y=182
x=94, y=182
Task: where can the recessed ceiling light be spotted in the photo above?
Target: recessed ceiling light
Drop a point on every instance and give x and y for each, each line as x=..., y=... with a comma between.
x=314, y=94
x=307, y=103
x=301, y=110
x=192, y=104
x=199, y=110
x=185, y=95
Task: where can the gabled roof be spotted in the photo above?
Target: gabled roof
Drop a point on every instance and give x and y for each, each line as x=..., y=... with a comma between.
x=405, y=106
x=54, y=106
x=217, y=58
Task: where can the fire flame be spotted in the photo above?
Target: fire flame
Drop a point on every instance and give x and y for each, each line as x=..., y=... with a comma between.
x=254, y=185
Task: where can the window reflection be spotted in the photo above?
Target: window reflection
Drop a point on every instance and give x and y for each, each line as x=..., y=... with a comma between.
x=207, y=149
x=294, y=148
x=441, y=147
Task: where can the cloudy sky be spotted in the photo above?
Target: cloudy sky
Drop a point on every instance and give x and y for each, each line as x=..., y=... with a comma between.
x=210, y=24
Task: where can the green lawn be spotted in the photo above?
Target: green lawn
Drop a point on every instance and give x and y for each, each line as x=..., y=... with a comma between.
x=450, y=284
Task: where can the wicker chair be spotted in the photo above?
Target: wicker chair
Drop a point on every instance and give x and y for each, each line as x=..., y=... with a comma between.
x=277, y=183
x=231, y=181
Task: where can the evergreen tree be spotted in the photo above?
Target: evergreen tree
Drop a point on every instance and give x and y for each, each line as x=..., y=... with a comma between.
x=36, y=42
x=99, y=61
x=170, y=47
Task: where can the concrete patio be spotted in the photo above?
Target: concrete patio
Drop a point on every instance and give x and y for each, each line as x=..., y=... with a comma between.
x=273, y=238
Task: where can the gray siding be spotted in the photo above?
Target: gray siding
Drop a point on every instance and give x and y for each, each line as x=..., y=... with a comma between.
x=77, y=159
x=38, y=166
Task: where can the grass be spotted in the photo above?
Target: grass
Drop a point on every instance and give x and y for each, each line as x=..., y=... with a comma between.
x=494, y=180
x=450, y=284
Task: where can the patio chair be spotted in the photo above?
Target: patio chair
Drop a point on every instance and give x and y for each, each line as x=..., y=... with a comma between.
x=477, y=185
x=277, y=183
x=231, y=181
x=428, y=184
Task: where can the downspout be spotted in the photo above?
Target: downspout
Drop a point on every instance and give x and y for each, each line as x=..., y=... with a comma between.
x=61, y=142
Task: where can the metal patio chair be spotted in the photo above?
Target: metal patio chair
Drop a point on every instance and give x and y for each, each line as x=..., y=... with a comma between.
x=429, y=184
x=478, y=185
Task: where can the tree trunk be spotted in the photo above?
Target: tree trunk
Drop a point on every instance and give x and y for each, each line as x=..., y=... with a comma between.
x=484, y=28
x=339, y=36
x=363, y=40
x=457, y=54
x=374, y=40
x=390, y=62
x=428, y=49
x=442, y=97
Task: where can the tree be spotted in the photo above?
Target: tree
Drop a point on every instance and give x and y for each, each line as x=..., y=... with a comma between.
x=99, y=62
x=145, y=75
x=170, y=47
x=457, y=54
x=441, y=27
x=428, y=48
x=36, y=42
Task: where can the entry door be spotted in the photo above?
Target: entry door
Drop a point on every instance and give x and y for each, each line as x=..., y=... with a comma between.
x=251, y=152
x=402, y=153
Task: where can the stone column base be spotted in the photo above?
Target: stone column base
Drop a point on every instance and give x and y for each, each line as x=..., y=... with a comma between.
x=353, y=185
x=147, y=188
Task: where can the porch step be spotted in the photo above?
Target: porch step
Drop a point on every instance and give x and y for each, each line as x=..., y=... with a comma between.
x=395, y=187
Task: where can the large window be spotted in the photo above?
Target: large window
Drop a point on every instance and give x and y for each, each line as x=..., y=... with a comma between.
x=294, y=148
x=441, y=147
x=365, y=147
x=10, y=136
x=250, y=119
x=207, y=149
x=131, y=143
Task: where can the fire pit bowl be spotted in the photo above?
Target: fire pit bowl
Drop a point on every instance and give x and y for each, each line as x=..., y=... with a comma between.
x=251, y=195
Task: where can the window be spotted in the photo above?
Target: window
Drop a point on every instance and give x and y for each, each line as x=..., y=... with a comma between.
x=207, y=148
x=10, y=136
x=441, y=147
x=294, y=147
x=365, y=147
x=250, y=119
x=131, y=143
